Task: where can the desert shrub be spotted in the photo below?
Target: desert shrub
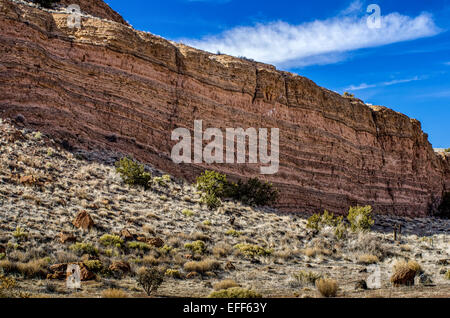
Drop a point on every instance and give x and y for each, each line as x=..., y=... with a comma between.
x=211, y=201
x=253, y=250
x=404, y=273
x=327, y=287
x=198, y=247
x=360, y=218
x=233, y=233
x=318, y=221
x=213, y=183
x=225, y=284
x=254, y=192
x=411, y=264
x=133, y=173
x=304, y=277
x=111, y=240
x=166, y=249
x=447, y=150
x=368, y=259
x=36, y=268
x=84, y=248
x=207, y=223
x=187, y=212
x=447, y=275
x=94, y=265
x=114, y=293
x=150, y=278
x=215, y=186
x=347, y=94
x=202, y=266
x=138, y=246
x=7, y=285
x=234, y=292
x=20, y=234
x=173, y=273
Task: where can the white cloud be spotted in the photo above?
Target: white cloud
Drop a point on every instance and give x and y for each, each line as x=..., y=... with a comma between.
x=388, y=83
x=317, y=42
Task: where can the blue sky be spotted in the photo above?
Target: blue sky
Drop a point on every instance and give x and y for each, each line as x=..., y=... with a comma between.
x=404, y=64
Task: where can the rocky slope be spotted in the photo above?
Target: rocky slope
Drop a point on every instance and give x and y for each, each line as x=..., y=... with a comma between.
x=85, y=85
x=45, y=189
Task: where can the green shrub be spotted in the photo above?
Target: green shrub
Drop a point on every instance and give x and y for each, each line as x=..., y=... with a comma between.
x=166, y=249
x=252, y=250
x=447, y=275
x=360, y=218
x=254, y=192
x=211, y=201
x=234, y=292
x=447, y=150
x=215, y=186
x=94, y=265
x=150, y=279
x=84, y=248
x=111, y=240
x=173, y=273
x=347, y=94
x=188, y=212
x=20, y=234
x=2, y=256
x=213, y=183
x=318, y=221
x=233, y=233
x=138, y=246
x=198, y=247
x=133, y=173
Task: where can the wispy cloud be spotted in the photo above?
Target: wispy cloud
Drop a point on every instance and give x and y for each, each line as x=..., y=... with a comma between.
x=318, y=42
x=388, y=83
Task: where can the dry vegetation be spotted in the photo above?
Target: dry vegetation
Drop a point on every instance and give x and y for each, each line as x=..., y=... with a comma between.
x=198, y=251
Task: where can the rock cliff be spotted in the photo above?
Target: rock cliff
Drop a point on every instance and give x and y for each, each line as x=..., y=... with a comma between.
x=84, y=85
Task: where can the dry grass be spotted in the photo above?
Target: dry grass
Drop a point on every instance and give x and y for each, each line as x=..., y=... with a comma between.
x=225, y=284
x=201, y=266
x=114, y=293
x=411, y=264
x=327, y=287
x=368, y=259
x=33, y=269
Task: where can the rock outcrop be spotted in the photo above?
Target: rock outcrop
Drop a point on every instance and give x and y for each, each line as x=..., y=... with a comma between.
x=106, y=79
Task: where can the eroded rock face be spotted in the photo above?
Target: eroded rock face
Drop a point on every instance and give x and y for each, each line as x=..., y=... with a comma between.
x=83, y=85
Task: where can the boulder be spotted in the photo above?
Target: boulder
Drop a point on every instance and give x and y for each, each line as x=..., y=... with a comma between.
x=83, y=221
x=120, y=267
x=156, y=241
x=67, y=238
x=126, y=235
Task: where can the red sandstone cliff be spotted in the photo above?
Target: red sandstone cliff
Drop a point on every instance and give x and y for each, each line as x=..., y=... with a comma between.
x=82, y=85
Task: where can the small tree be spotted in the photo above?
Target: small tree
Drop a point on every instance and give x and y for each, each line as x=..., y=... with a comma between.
x=150, y=279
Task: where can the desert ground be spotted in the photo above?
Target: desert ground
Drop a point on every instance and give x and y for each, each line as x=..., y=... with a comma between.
x=43, y=188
